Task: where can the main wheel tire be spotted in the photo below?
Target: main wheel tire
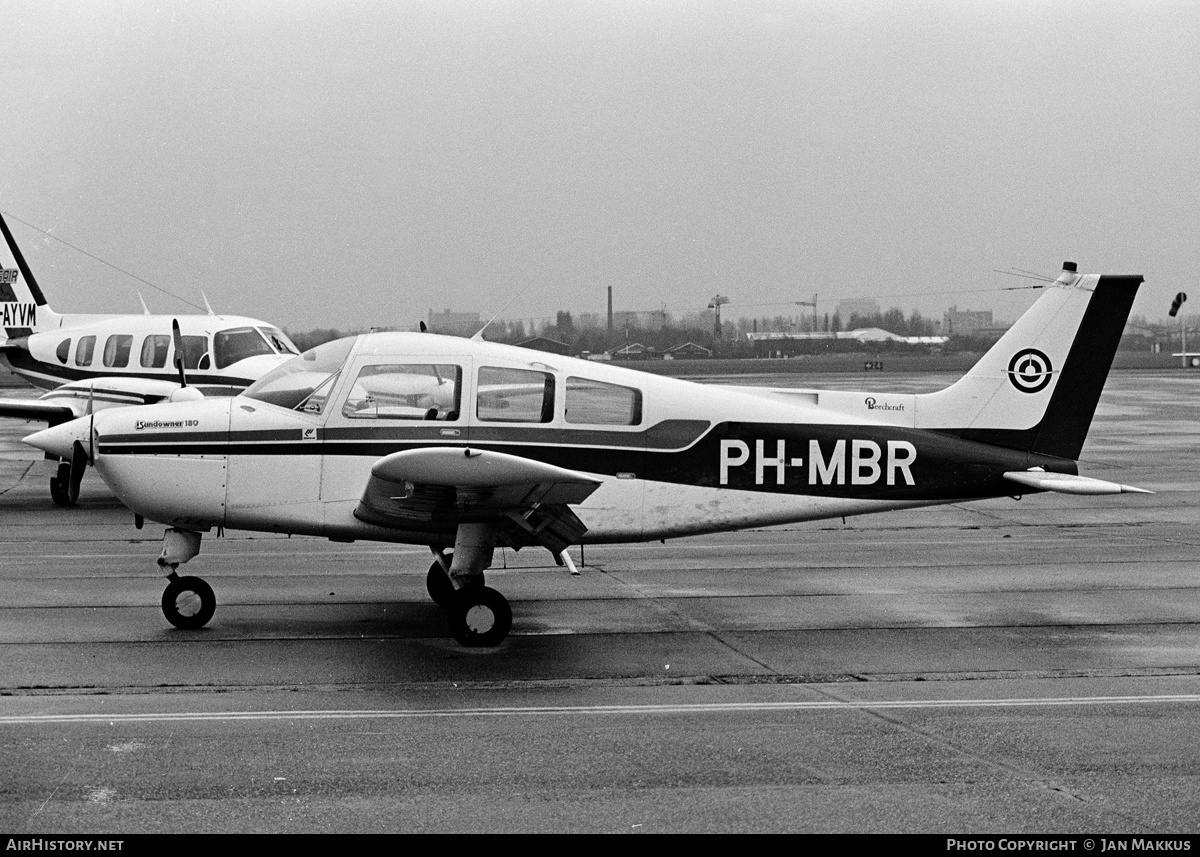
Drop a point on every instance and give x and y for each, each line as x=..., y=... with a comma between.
x=480, y=618
x=188, y=602
x=441, y=590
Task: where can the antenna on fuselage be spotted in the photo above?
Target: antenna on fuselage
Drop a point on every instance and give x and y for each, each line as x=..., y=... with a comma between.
x=478, y=337
x=207, y=305
x=145, y=309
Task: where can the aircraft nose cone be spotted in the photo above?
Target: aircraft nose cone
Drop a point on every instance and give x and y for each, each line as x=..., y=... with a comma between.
x=58, y=440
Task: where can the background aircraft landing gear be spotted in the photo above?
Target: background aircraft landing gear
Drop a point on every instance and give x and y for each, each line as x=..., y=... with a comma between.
x=188, y=602
x=60, y=487
x=480, y=617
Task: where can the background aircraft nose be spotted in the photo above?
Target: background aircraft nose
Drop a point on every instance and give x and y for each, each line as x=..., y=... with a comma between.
x=58, y=440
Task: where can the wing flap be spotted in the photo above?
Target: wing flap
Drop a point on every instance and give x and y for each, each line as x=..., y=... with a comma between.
x=441, y=487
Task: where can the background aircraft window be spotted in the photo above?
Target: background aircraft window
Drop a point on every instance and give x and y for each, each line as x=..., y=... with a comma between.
x=195, y=352
x=154, y=351
x=83, y=351
x=416, y=391
x=303, y=382
x=597, y=403
x=116, y=350
x=230, y=346
x=515, y=395
x=63, y=351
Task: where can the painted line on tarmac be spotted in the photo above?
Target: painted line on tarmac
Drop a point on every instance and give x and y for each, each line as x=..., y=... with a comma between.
x=534, y=711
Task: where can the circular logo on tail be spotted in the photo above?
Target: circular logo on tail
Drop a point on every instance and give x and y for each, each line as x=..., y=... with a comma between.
x=1030, y=370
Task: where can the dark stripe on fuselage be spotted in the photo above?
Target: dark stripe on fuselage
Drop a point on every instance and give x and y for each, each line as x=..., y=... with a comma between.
x=22, y=362
x=666, y=435
x=858, y=462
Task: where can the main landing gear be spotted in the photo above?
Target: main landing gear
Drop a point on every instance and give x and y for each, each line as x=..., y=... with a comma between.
x=477, y=615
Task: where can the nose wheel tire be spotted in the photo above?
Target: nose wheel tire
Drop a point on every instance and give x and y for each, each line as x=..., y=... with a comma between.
x=480, y=618
x=441, y=590
x=188, y=602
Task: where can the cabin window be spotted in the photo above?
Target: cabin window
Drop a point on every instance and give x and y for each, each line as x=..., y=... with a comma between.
x=514, y=396
x=84, y=350
x=63, y=351
x=154, y=351
x=195, y=352
x=598, y=403
x=230, y=346
x=414, y=391
x=116, y=350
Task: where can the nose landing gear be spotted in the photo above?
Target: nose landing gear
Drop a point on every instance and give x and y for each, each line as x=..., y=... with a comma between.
x=188, y=602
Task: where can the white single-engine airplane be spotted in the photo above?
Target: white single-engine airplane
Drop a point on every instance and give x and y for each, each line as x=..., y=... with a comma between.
x=466, y=445
x=93, y=362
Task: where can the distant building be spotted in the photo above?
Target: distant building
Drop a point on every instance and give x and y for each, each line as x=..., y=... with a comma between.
x=965, y=322
x=545, y=343
x=634, y=351
x=779, y=344
x=455, y=323
x=687, y=351
x=862, y=307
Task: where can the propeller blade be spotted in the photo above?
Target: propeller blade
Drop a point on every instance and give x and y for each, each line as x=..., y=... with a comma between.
x=178, y=338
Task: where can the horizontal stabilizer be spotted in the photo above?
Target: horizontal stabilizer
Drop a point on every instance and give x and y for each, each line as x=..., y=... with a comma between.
x=1068, y=483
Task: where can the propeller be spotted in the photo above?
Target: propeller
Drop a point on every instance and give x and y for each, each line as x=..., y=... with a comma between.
x=184, y=393
x=177, y=337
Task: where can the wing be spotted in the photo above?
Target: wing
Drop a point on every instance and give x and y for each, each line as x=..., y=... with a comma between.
x=51, y=413
x=79, y=398
x=438, y=488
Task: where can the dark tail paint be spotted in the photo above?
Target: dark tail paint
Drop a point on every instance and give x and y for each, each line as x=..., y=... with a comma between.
x=1064, y=425
x=8, y=294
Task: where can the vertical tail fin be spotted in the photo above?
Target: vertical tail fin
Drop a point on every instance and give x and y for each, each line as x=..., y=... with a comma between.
x=1037, y=388
x=23, y=307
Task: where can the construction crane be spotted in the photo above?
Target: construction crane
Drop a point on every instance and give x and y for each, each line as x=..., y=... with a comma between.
x=715, y=305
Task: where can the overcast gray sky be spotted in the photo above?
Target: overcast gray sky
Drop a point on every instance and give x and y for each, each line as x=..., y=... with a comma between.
x=347, y=164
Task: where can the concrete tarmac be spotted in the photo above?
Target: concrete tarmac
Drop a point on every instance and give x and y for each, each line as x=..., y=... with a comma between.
x=1003, y=666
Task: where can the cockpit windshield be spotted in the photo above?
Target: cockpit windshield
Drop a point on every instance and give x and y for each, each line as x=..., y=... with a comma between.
x=304, y=382
x=279, y=339
x=238, y=343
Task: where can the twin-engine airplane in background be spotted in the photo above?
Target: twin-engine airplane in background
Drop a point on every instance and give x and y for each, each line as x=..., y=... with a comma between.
x=464, y=445
x=93, y=362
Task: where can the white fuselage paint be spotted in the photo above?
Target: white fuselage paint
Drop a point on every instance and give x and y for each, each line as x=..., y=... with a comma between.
x=317, y=492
